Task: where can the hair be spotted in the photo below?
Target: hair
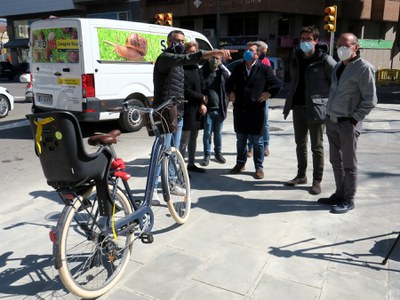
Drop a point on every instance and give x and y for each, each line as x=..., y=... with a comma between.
x=310, y=29
x=263, y=45
x=191, y=44
x=355, y=39
x=257, y=44
x=171, y=35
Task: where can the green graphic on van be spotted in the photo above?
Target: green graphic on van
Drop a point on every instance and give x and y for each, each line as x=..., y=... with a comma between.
x=55, y=45
x=123, y=45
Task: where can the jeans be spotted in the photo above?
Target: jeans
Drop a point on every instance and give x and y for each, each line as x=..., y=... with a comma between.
x=213, y=125
x=176, y=140
x=241, y=148
x=266, y=130
x=301, y=129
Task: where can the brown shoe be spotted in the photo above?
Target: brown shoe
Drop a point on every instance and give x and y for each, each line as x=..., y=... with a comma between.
x=266, y=152
x=250, y=152
x=237, y=169
x=297, y=180
x=259, y=174
x=315, y=188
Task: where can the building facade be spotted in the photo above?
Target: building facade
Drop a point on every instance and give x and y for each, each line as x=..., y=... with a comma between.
x=229, y=23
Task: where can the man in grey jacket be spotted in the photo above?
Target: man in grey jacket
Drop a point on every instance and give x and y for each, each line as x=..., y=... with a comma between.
x=311, y=70
x=351, y=98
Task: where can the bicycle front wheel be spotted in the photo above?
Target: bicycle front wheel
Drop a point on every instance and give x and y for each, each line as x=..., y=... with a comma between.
x=91, y=262
x=176, y=185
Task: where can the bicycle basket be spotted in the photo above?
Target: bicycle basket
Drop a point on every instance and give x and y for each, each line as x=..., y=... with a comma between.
x=166, y=120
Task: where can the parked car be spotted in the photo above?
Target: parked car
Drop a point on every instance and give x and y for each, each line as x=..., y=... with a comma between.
x=7, y=70
x=276, y=64
x=6, y=102
x=26, y=78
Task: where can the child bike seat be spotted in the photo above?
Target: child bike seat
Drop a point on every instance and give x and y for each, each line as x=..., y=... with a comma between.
x=59, y=145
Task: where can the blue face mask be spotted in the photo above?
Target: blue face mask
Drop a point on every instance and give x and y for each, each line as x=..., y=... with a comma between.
x=306, y=46
x=248, y=55
x=178, y=48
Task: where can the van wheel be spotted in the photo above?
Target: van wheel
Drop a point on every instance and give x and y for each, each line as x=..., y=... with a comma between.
x=132, y=120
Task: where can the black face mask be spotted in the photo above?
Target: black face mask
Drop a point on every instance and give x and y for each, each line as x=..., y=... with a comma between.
x=262, y=56
x=177, y=48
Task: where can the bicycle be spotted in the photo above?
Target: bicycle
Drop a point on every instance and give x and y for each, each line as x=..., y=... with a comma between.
x=93, y=238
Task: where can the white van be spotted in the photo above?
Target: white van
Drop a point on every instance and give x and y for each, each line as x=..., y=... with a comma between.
x=86, y=66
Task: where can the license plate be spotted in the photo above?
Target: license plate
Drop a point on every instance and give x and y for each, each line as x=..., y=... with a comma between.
x=45, y=99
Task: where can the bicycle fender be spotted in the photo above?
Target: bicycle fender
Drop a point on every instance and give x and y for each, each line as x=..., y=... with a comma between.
x=56, y=244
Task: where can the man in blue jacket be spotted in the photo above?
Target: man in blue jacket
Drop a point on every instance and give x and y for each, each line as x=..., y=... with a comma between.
x=249, y=86
x=351, y=98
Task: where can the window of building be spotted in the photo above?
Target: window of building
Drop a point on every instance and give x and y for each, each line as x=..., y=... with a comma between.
x=21, y=29
x=283, y=26
x=119, y=15
x=243, y=25
x=309, y=20
x=187, y=23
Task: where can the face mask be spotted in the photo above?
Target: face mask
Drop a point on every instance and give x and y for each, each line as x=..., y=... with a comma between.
x=248, y=55
x=178, y=48
x=344, y=53
x=306, y=46
x=262, y=56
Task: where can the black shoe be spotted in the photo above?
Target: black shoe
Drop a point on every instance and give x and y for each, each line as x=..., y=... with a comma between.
x=297, y=180
x=315, y=189
x=332, y=200
x=343, y=207
x=237, y=169
x=195, y=168
x=219, y=158
x=206, y=161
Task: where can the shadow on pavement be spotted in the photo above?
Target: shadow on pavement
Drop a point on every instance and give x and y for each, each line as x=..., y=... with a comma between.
x=380, y=249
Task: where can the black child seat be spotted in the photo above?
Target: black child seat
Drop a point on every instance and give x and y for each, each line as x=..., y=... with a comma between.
x=64, y=160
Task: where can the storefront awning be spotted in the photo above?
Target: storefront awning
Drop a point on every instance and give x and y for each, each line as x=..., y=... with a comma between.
x=21, y=43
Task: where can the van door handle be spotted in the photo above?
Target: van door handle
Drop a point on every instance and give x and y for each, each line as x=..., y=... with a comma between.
x=66, y=69
x=57, y=74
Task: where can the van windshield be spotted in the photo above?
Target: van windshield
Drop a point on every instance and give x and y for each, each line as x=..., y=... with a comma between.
x=55, y=45
x=203, y=45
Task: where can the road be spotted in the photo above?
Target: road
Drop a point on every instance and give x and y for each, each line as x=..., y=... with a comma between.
x=222, y=210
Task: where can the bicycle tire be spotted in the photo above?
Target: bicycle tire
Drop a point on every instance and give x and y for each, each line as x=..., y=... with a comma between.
x=176, y=185
x=89, y=265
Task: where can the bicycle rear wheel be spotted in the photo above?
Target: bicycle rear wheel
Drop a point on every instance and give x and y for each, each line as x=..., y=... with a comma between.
x=91, y=261
x=176, y=185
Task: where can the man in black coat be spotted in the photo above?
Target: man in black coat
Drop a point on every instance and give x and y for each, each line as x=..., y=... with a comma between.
x=249, y=86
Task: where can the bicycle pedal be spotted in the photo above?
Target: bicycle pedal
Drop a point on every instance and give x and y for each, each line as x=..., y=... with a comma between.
x=147, y=238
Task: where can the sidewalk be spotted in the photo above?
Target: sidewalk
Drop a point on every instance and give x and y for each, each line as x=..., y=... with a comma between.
x=257, y=239
x=245, y=238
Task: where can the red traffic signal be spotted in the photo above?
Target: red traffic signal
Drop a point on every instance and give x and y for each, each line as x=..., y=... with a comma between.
x=159, y=19
x=168, y=19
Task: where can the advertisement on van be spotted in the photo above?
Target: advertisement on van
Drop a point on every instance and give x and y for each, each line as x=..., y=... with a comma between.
x=122, y=45
x=55, y=45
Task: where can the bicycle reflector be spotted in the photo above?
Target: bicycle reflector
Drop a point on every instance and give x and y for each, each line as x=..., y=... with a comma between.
x=53, y=236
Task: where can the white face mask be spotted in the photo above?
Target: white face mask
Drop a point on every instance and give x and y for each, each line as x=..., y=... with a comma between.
x=344, y=53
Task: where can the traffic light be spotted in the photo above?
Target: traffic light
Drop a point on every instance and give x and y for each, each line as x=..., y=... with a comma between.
x=168, y=19
x=160, y=19
x=330, y=18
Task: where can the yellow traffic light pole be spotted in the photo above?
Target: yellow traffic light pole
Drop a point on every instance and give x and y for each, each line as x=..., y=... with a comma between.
x=330, y=24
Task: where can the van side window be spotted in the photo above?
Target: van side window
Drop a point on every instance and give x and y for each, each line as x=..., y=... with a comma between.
x=203, y=45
